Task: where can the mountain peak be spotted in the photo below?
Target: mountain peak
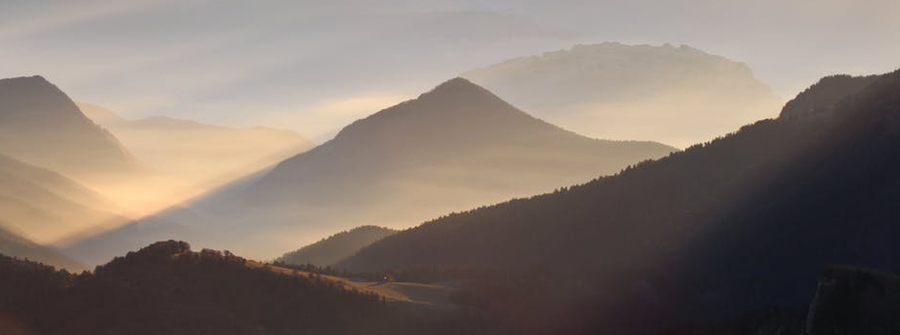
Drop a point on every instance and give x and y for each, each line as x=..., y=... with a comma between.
x=41, y=125
x=458, y=88
x=458, y=83
x=30, y=87
x=453, y=105
x=35, y=97
x=35, y=79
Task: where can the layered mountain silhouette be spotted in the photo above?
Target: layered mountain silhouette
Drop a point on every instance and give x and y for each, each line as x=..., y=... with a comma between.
x=740, y=223
x=458, y=133
x=17, y=246
x=40, y=125
x=47, y=206
x=336, y=247
x=453, y=148
x=200, y=155
x=675, y=95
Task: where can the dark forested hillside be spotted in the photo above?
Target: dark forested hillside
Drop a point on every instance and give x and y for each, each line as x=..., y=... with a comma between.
x=336, y=247
x=852, y=300
x=823, y=95
x=739, y=223
x=166, y=288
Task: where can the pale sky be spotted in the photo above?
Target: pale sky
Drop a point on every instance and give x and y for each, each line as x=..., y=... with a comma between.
x=314, y=66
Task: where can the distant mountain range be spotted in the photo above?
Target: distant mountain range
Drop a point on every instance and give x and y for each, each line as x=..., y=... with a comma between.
x=675, y=95
x=455, y=147
x=58, y=168
x=46, y=144
x=737, y=224
x=47, y=206
x=336, y=247
x=17, y=246
x=200, y=155
x=726, y=237
x=40, y=125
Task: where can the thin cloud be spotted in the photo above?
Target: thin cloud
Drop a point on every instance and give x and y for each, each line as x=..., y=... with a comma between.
x=27, y=17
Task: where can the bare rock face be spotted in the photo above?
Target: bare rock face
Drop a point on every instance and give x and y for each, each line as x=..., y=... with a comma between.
x=855, y=301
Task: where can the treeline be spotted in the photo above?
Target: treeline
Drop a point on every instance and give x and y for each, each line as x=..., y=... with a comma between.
x=168, y=289
x=330, y=250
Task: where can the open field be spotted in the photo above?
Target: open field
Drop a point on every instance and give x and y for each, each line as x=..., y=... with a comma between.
x=433, y=295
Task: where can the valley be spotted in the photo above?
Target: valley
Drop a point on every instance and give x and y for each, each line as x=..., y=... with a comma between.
x=408, y=167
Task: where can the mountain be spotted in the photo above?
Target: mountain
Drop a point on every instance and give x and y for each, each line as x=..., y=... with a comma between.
x=40, y=125
x=216, y=154
x=675, y=95
x=742, y=222
x=17, y=246
x=453, y=148
x=328, y=251
x=46, y=206
x=166, y=288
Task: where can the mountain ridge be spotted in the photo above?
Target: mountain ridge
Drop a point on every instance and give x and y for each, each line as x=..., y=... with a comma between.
x=217, y=154
x=47, y=206
x=330, y=250
x=455, y=147
x=41, y=125
x=15, y=245
x=677, y=95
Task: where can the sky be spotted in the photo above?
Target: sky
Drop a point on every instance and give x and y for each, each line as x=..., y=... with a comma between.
x=315, y=66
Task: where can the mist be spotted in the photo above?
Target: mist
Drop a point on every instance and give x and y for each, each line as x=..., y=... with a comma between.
x=269, y=63
x=445, y=167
